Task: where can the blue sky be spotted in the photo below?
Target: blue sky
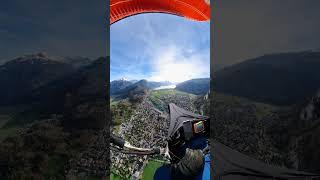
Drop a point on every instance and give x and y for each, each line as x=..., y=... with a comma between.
x=159, y=47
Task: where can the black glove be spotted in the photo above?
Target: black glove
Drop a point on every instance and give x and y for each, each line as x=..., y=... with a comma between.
x=191, y=164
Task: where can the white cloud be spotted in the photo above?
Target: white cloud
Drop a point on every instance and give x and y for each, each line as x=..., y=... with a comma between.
x=171, y=64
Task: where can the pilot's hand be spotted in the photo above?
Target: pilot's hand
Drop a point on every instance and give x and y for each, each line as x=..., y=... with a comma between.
x=192, y=163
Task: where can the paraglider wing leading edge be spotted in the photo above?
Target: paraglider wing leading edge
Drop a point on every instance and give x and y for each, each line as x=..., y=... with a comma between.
x=198, y=10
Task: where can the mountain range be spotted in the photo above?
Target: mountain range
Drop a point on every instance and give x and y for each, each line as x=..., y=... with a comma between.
x=23, y=75
x=280, y=79
x=38, y=86
x=56, y=112
x=193, y=86
x=121, y=86
x=268, y=108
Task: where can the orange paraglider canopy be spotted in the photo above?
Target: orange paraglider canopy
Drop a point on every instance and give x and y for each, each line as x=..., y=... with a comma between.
x=198, y=10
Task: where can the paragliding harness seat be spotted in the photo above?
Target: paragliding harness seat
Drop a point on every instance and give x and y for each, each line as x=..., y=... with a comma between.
x=186, y=130
x=188, y=144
